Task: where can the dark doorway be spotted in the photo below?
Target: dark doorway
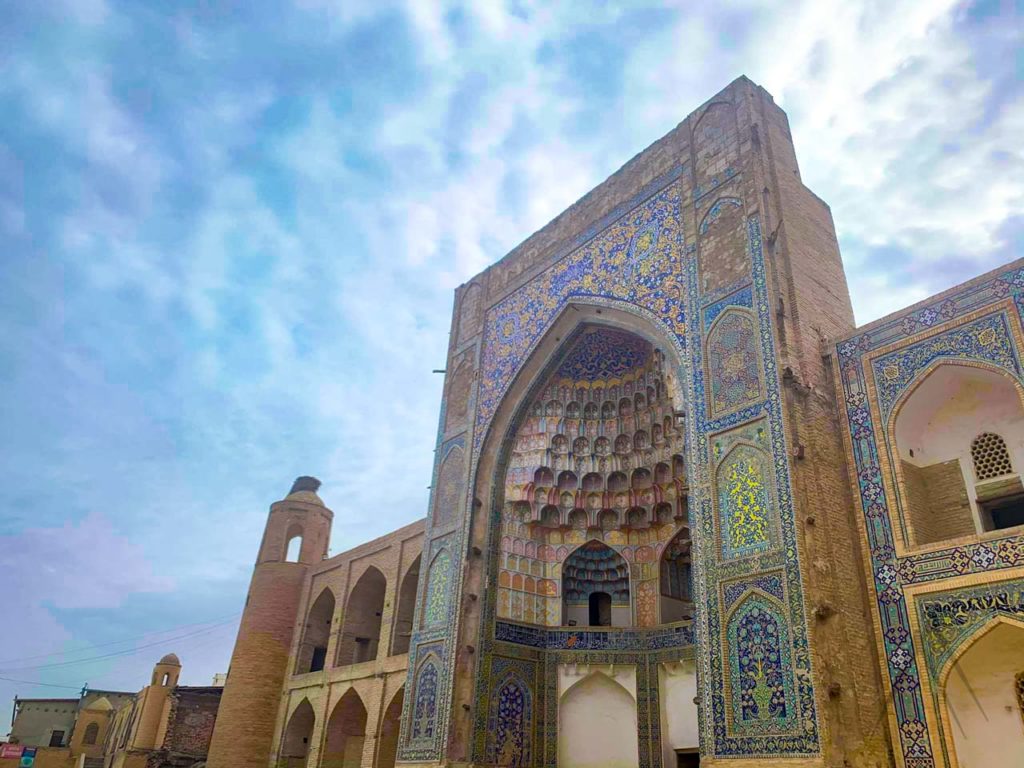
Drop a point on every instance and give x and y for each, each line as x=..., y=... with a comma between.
x=57, y=739
x=319, y=657
x=1005, y=513
x=687, y=760
x=600, y=609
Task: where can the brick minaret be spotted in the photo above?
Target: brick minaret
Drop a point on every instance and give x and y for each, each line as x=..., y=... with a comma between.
x=245, y=722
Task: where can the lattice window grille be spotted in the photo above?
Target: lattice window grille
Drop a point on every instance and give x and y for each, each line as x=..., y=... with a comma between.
x=991, y=459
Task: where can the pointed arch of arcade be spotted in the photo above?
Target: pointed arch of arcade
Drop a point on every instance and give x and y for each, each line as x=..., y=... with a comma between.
x=998, y=631
x=345, y=733
x=297, y=736
x=387, y=734
x=360, y=634
x=538, y=364
x=401, y=631
x=316, y=634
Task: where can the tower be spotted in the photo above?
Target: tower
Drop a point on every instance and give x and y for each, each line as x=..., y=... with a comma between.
x=154, y=699
x=296, y=536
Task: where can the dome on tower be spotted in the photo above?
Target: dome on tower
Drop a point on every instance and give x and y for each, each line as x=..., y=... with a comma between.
x=170, y=659
x=304, y=489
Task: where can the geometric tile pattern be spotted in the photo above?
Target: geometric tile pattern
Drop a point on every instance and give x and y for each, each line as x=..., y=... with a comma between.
x=733, y=367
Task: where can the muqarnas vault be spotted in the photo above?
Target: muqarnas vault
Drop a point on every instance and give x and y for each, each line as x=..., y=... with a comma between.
x=683, y=511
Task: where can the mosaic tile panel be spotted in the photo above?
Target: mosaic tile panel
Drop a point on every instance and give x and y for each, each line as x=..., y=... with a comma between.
x=733, y=366
x=744, y=503
x=760, y=669
x=511, y=726
x=439, y=586
x=605, y=266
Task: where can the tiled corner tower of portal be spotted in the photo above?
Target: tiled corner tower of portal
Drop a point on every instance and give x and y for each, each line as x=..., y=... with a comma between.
x=708, y=248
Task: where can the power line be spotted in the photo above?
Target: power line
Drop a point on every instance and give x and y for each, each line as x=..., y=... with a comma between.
x=48, y=685
x=20, y=659
x=127, y=652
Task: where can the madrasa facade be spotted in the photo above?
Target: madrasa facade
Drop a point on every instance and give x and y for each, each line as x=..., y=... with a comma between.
x=683, y=510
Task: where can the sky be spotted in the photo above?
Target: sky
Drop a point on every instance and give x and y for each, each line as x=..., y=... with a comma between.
x=230, y=233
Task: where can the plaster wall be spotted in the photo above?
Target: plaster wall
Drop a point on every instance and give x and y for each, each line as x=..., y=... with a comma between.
x=597, y=723
x=679, y=723
x=37, y=720
x=982, y=703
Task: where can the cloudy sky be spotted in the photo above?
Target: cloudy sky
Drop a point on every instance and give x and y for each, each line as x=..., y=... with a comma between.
x=230, y=234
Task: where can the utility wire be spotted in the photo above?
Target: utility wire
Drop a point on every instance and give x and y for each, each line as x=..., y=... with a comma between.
x=48, y=685
x=20, y=659
x=114, y=654
x=204, y=642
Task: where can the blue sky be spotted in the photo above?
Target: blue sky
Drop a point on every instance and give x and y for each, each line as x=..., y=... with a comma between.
x=230, y=234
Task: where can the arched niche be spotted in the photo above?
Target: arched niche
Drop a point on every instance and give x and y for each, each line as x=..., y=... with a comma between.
x=597, y=725
x=387, y=736
x=297, y=735
x=948, y=490
x=676, y=579
x=345, y=732
x=760, y=681
x=360, y=635
x=743, y=496
x=982, y=698
x=439, y=578
x=403, y=619
x=595, y=587
x=448, y=495
x=312, y=654
x=510, y=741
x=733, y=362
x=605, y=485
x=423, y=712
x=92, y=732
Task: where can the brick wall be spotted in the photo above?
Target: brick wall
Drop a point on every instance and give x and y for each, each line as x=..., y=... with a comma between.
x=937, y=504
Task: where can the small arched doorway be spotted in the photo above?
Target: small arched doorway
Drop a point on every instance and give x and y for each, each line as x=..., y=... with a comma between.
x=346, y=733
x=360, y=636
x=387, y=739
x=984, y=706
x=297, y=734
x=595, y=585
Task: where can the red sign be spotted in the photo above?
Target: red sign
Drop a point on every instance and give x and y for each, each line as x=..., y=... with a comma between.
x=11, y=750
